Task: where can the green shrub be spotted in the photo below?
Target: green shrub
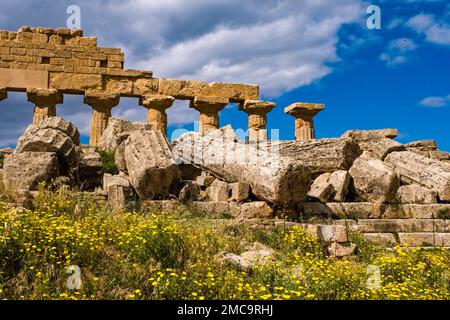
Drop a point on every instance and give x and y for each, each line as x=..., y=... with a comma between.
x=443, y=214
x=108, y=162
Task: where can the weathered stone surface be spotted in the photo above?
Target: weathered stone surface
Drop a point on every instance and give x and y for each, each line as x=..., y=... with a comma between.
x=332, y=233
x=189, y=192
x=239, y=191
x=188, y=89
x=316, y=209
x=380, y=148
x=60, y=124
x=440, y=155
x=204, y=181
x=256, y=209
x=248, y=259
x=149, y=163
x=257, y=118
x=428, y=148
x=89, y=167
x=271, y=176
x=24, y=171
x=340, y=181
x=374, y=180
x=366, y=210
x=75, y=82
x=189, y=172
x=160, y=205
x=423, y=145
x=5, y=151
x=399, y=225
x=385, y=239
x=416, y=169
x=340, y=250
x=416, y=194
x=425, y=239
x=216, y=209
x=371, y=134
x=116, y=180
x=321, y=189
x=218, y=191
x=117, y=131
x=52, y=135
x=320, y=156
x=118, y=196
x=304, y=114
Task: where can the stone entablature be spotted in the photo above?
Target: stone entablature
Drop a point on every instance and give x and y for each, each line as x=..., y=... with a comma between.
x=47, y=63
x=75, y=64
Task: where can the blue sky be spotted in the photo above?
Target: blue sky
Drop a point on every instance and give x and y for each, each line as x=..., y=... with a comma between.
x=297, y=50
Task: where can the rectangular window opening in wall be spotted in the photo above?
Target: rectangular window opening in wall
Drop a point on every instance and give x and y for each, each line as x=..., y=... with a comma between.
x=45, y=60
x=103, y=63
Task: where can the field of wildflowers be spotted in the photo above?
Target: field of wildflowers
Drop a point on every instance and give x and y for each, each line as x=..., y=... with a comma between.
x=170, y=255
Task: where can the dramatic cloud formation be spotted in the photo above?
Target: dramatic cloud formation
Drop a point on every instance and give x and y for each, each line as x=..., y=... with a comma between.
x=280, y=45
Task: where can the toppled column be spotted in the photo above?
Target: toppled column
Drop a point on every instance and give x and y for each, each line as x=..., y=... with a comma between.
x=149, y=164
x=3, y=94
x=416, y=169
x=257, y=118
x=156, y=114
x=272, y=177
x=304, y=113
x=45, y=101
x=209, y=108
x=102, y=104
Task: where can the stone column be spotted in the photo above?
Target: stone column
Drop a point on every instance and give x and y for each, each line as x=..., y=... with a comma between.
x=209, y=108
x=304, y=113
x=257, y=118
x=45, y=101
x=156, y=114
x=102, y=104
x=3, y=94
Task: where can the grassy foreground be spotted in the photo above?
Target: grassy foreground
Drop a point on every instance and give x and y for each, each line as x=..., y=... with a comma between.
x=170, y=255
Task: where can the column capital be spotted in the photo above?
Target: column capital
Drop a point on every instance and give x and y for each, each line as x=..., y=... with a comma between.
x=208, y=104
x=302, y=108
x=101, y=101
x=3, y=93
x=44, y=97
x=257, y=106
x=156, y=101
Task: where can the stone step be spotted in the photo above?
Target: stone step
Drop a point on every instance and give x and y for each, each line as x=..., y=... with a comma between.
x=368, y=210
x=411, y=239
x=396, y=225
x=420, y=239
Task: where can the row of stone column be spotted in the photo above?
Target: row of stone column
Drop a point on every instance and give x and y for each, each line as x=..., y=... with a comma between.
x=45, y=101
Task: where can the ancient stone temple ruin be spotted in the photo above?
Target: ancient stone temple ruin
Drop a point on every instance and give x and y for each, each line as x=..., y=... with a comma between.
x=364, y=181
x=48, y=63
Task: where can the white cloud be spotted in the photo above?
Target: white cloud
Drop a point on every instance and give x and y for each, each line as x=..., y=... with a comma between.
x=398, y=51
x=433, y=30
x=395, y=22
x=435, y=101
x=279, y=45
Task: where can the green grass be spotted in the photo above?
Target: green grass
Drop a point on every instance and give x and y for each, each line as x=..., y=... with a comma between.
x=155, y=254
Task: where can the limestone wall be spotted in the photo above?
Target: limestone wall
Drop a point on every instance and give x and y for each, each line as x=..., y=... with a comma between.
x=65, y=60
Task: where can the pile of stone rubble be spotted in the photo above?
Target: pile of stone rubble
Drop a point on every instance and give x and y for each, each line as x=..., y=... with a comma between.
x=364, y=181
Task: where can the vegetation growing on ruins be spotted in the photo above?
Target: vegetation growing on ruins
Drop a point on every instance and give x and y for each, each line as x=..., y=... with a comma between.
x=108, y=162
x=170, y=255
